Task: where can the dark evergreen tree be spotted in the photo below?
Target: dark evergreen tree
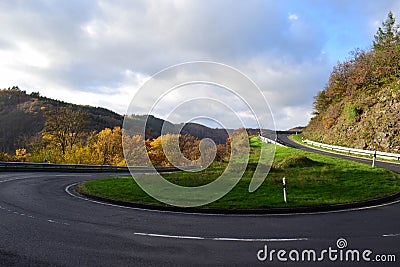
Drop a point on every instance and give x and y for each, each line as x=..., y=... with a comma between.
x=388, y=33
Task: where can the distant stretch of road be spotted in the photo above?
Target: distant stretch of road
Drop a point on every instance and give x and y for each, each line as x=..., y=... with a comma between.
x=43, y=224
x=284, y=139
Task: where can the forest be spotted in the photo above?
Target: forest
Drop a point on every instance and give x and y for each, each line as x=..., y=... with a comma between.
x=65, y=139
x=35, y=128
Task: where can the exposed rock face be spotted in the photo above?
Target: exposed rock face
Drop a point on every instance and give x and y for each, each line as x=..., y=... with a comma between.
x=368, y=120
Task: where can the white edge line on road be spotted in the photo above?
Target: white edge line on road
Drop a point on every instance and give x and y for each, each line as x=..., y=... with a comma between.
x=224, y=238
x=67, y=190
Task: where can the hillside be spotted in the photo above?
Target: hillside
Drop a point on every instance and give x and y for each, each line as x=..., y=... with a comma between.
x=22, y=116
x=360, y=105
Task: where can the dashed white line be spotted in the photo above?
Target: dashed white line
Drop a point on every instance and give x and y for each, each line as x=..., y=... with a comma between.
x=72, y=175
x=260, y=239
x=14, y=179
x=224, y=238
x=171, y=236
x=30, y=216
x=391, y=235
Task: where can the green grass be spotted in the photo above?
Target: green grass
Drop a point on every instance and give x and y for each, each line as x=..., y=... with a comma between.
x=312, y=180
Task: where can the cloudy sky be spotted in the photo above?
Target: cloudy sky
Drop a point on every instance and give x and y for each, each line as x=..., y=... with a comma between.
x=100, y=52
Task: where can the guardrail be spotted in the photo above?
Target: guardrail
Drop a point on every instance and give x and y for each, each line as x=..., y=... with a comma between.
x=269, y=141
x=371, y=153
x=25, y=166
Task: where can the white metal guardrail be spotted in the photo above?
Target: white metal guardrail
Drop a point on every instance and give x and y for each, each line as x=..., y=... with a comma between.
x=269, y=141
x=371, y=153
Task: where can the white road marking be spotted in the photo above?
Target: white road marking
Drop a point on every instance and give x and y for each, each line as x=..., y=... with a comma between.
x=67, y=190
x=30, y=216
x=261, y=239
x=391, y=235
x=14, y=179
x=171, y=236
x=72, y=175
x=224, y=238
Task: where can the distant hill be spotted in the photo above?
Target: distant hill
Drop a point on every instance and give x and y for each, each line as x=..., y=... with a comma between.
x=360, y=105
x=22, y=116
x=154, y=127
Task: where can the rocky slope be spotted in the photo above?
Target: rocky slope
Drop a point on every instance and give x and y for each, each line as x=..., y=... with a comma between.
x=367, y=121
x=360, y=105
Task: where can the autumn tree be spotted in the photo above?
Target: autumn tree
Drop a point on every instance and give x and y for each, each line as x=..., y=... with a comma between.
x=365, y=69
x=182, y=150
x=237, y=144
x=156, y=152
x=135, y=150
x=239, y=141
x=21, y=155
x=5, y=157
x=63, y=127
x=109, y=146
x=221, y=153
x=189, y=146
x=165, y=151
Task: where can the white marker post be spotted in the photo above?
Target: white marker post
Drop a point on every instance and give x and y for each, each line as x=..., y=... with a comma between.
x=284, y=189
x=373, y=159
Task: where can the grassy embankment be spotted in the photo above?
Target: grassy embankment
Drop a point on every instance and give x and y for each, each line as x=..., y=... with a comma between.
x=312, y=180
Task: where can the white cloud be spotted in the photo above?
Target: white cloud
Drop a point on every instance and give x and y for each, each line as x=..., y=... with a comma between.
x=293, y=16
x=101, y=52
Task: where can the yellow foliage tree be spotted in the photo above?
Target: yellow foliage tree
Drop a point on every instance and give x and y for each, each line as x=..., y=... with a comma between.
x=21, y=155
x=109, y=146
x=135, y=150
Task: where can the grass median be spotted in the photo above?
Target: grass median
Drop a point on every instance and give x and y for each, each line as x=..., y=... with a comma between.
x=312, y=180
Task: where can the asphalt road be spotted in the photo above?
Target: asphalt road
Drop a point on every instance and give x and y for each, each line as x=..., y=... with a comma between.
x=41, y=224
